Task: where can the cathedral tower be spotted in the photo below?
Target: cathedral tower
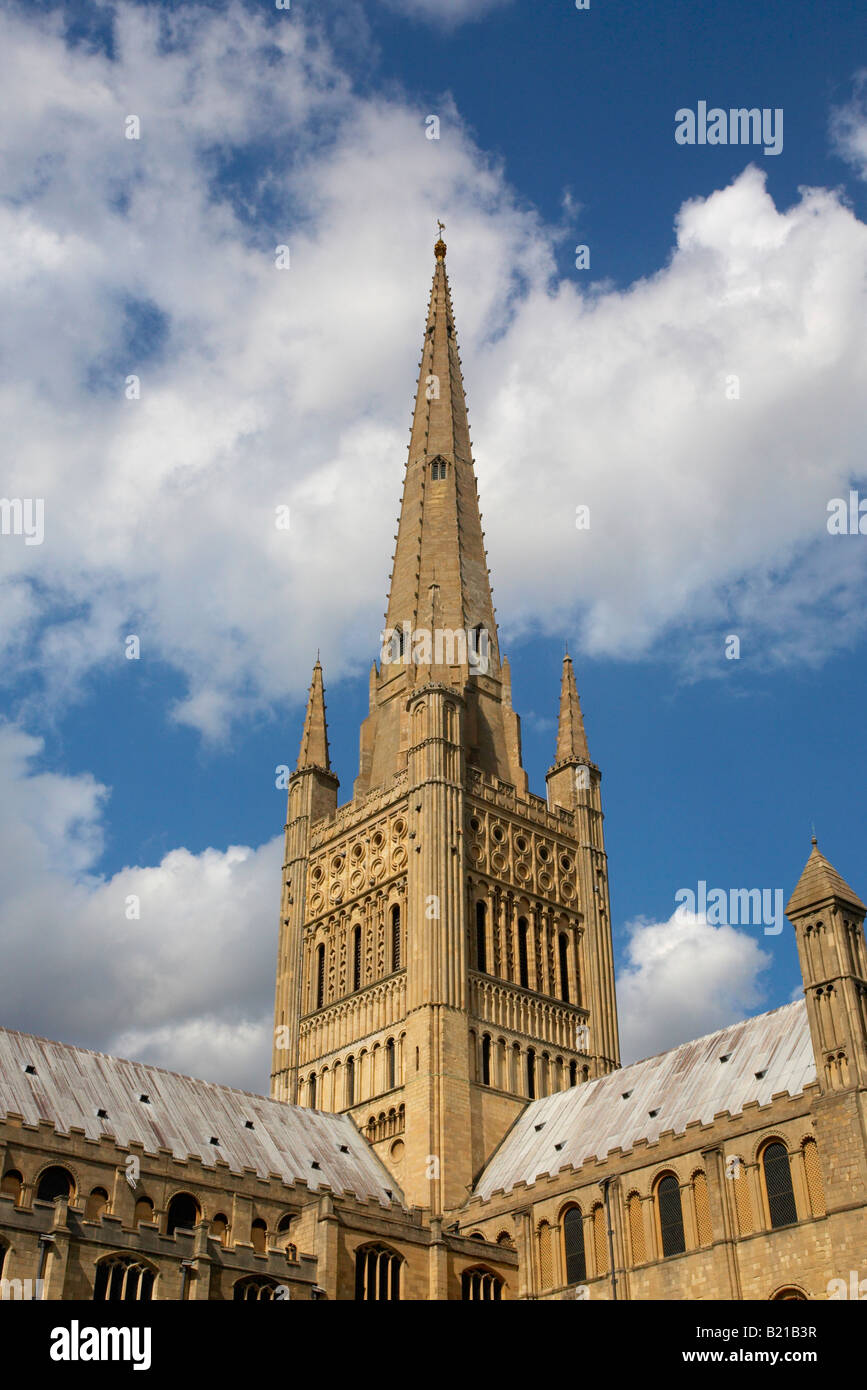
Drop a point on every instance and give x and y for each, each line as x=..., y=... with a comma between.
x=445, y=942
x=828, y=917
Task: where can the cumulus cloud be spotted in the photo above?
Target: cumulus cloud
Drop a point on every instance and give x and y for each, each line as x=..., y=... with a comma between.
x=706, y=415
x=187, y=984
x=447, y=14
x=684, y=978
x=849, y=126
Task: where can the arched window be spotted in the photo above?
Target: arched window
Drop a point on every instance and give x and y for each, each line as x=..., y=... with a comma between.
x=636, y=1229
x=95, y=1204
x=184, y=1213
x=285, y=1222
x=600, y=1239
x=480, y=1283
x=438, y=470
x=123, y=1279
x=813, y=1173
x=486, y=1059
x=523, y=960
x=546, y=1256
x=11, y=1185
x=377, y=1274
x=573, y=1073
x=255, y=1288
x=350, y=1081
x=259, y=1236
x=481, y=947
x=356, y=958
x=144, y=1210
x=563, y=944
x=504, y=1238
x=670, y=1215
x=55, y=1182
x=320, y=975
x=220, y=1228
x=703, y=1229
x=778, y=1185
x=395, y=937
x=531, y=1073
x=311, y=1091
x=389, y=1065
x=789, y=1293
x=736, y=1171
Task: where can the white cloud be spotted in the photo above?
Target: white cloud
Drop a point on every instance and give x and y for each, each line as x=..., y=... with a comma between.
x=294, y=387
x=446, y=14
x=682, y=979
x=849, y=127
x=189, y=985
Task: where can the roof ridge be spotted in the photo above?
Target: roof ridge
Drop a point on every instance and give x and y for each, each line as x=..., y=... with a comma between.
x=167, y=1071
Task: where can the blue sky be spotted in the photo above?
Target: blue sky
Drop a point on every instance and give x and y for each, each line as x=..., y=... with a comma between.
x=607, y=386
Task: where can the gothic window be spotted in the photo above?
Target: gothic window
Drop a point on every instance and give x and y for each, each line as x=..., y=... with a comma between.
x=563, y=944
x=350, y=1081
x=531, y=1073
x=259, y=1236
x=11, y=1185
x=311, y=1091
x=703, y=1230
x=737, y=1172
x=356, y=958
x=670, y=1215
x=486, y=1059
x=377, y=1274
x=395, y=938
x=813, y=1173
x=390, y=1081
x=636, y=1229
x=481, y=952
x=255, y=1288
x=600, y=1239
x=55, y=1182
x=481, y=1283
x=778, y=1185
x=96, y=1204
x=573, y=1073
x=320, y=976
x=523, y=960
x=184, y=1212
x=122, y=1279
x=220, y=1228
x=573, y=1246
x=546, y=1256
x=438, y=470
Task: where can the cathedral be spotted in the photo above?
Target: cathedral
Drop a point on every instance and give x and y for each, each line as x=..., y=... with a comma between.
x=449, y=1118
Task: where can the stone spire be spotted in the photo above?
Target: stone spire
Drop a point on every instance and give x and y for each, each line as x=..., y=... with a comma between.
x=440, y=576
x=571, y=738
x=314, y=739
x=820, y=883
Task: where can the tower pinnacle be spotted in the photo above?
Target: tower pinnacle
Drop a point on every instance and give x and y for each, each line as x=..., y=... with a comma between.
x=314, y=738
x=571, y=738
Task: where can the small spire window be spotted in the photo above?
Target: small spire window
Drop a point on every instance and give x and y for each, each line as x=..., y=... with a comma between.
x=438, y=470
